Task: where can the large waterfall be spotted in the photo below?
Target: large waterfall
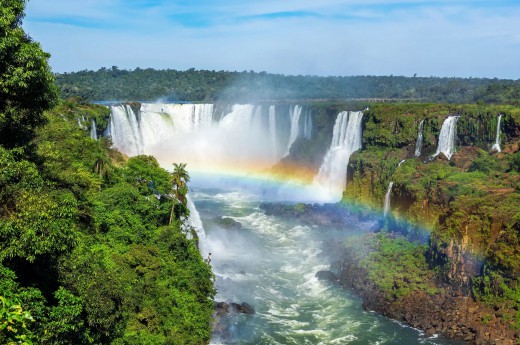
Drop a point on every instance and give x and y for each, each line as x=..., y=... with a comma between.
x=346, y=138
x=447, y=137
x=240, y=137
x=419, y=142
x=496, y=146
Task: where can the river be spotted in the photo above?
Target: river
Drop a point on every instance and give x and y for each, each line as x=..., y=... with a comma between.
x=270, y=263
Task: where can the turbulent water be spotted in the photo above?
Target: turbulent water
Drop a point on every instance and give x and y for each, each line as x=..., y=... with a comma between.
x=270, y=263
x=267, y=262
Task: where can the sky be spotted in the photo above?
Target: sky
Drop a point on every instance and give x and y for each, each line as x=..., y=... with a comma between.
x=444, y=38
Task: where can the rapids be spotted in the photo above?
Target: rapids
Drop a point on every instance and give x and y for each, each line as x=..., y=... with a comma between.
x=271, y=263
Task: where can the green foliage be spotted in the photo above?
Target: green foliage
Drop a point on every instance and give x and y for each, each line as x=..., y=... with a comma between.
x=26, y=82
x=201, y=85
x=499, y=291
x=14, y=323
x=485, y=164
x=116, y=270
x=397, y=266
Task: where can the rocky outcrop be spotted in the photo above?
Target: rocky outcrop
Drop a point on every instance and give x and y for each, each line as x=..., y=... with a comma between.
x=222, y=324
x=327, y=215
x=445, y=312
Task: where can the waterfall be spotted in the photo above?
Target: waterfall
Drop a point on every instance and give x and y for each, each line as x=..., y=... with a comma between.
x=194, y=218
x=272, y=130
x=496, y=146
x=386, y=210
x=295, y=128
x=346, y=139
x=124, y=130
x=93, y=132
x=419, y=142
x=307, y=125
x=447, y=137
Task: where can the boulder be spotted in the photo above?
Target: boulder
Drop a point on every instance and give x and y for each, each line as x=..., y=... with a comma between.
x=326, y=275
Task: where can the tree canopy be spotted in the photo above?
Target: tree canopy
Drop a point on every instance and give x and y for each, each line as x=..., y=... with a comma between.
x=26, y=82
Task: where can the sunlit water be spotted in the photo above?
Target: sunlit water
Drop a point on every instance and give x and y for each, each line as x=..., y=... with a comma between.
x=271, y=263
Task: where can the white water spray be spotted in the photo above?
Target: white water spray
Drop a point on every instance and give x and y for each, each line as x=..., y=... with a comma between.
x=93, y=133
x=195, y=222
x=272, y=130
x=447, y=137
x=346, y=139
x=419, y=142
x=124, y=130
x=307, y=125
x=244, y=138
x=386, y=210
x=496, y=146
x=295, y=128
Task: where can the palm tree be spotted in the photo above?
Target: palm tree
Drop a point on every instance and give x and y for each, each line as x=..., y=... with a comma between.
x=179, y=179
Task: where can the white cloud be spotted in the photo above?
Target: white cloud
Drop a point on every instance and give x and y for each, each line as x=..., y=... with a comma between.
x=447, y=40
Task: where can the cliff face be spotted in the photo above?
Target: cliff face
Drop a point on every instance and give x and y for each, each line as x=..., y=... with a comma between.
x=469, y=204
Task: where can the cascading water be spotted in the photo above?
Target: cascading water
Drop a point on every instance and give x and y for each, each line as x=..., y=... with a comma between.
x=419, y=142
x=307, y=125
x=496, y=146
x=93, y=132
x=272, y=130
x=244, y=137
x=195, y=221
x=447, y=137
x=346, y=139
x=125, y=131
x=296, y=111
x=386, y=209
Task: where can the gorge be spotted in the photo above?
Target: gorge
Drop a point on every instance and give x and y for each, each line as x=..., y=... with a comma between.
x=257, y=137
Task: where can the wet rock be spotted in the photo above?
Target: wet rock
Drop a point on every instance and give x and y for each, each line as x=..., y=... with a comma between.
x=228, y=223
x=326, y=275
x=223, y=308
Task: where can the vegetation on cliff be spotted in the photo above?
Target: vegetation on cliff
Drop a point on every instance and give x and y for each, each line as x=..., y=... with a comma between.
x=469, y=203
x=88, y=252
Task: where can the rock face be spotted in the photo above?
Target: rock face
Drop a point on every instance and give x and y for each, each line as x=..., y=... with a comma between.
x=447, y=312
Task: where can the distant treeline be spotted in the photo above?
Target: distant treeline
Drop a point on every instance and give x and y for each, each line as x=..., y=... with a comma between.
x=201, y=85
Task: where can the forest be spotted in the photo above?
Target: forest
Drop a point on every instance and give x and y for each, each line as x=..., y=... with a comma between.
x=114, y=84
x=94, y=247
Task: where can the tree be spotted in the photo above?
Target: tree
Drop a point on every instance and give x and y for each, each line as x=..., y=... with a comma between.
x=179, y=180
x=26, y=82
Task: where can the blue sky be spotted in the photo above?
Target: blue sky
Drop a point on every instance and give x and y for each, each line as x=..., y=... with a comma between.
x=478, y=38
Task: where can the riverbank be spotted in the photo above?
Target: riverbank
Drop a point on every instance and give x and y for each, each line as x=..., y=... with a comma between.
x=409, y=293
